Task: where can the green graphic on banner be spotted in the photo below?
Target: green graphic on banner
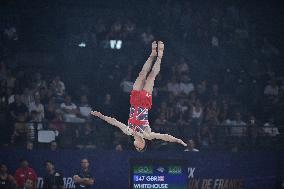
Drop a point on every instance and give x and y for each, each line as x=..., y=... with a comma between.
x=143, y=169
x=175, y=170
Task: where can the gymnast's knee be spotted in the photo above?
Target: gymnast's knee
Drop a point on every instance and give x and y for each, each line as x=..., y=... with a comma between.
x=143, y=73
x=152, y=75
x=147, y=136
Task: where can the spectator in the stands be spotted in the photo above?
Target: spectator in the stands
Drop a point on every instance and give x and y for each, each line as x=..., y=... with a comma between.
x=192, y=120
x=182, y=67
x=252, y=121
x=205, y=137
x=107, y=105
x=166, y=110
x=22, y=80
x=3, y=91
x=127, y=83
x=197, y=113
x=160, y=123
x=36, y=118
x=270, y=122
x=270, y=128
x=11, y=80
x=214, y=93
x=70, y=111
x=186, y=128
x=18, y=108
x=50, y=109
x=83, y=90
x=33, y=125
x=115, y=30
x=252, y=130
x=272, y=89
x=38, y=107
x=53, y=178
x=238, y=120
x=39, y=82
x=181, y=106
x=84, y=107
x=100, y=29
x=29, y=184
x=20, y=134
x=27, y=96
x=173, y=86
x=30, y=145
x=212, y=112
x=57, y=122
x=202, y=89
x=129, y=29
x=10, y=95
x=224, y=112
x=171, y=100
x=192, y=98
x=53, y=146
x=23, y=173
x=83, y=178
x=86, y=137
x=43, y=95
x=10, y=33
x=7, y=181
x=186, y=86
x=58, y=88
x=147, y=36
x=238, y=126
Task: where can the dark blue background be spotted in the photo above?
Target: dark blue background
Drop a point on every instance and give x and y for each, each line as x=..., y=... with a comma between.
x=259, y=170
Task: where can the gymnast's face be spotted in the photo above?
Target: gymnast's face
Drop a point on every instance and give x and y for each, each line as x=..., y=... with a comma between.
x=139, y=144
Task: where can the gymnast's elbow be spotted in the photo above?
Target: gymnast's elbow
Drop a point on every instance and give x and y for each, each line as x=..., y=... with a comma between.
x=148, y=136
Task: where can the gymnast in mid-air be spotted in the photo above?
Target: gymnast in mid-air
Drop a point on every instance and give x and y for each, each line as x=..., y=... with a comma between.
x=141, y=102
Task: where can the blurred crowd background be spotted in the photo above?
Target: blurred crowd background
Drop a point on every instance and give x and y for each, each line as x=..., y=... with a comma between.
x=221, y=85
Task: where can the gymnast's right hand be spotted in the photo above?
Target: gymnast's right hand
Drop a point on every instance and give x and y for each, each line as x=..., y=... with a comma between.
x=161, y=48
x=96, y=113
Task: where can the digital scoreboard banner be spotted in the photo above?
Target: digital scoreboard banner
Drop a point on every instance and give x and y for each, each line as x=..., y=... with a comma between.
x=171, y=174
x=196, y=171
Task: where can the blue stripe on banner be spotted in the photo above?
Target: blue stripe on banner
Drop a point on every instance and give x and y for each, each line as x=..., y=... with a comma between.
x=256, y=170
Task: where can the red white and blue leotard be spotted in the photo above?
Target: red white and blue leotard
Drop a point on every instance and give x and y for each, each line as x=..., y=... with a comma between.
x=141, y=103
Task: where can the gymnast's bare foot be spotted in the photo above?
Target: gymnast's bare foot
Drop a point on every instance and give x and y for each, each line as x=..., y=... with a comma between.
x=161, y=47
x=154, y=49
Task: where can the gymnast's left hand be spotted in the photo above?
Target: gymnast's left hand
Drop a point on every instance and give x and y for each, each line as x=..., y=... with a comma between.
x=96, y=113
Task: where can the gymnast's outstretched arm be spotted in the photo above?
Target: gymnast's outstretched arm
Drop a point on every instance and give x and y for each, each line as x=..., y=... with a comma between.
x=113, y=122
x=165, y=137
